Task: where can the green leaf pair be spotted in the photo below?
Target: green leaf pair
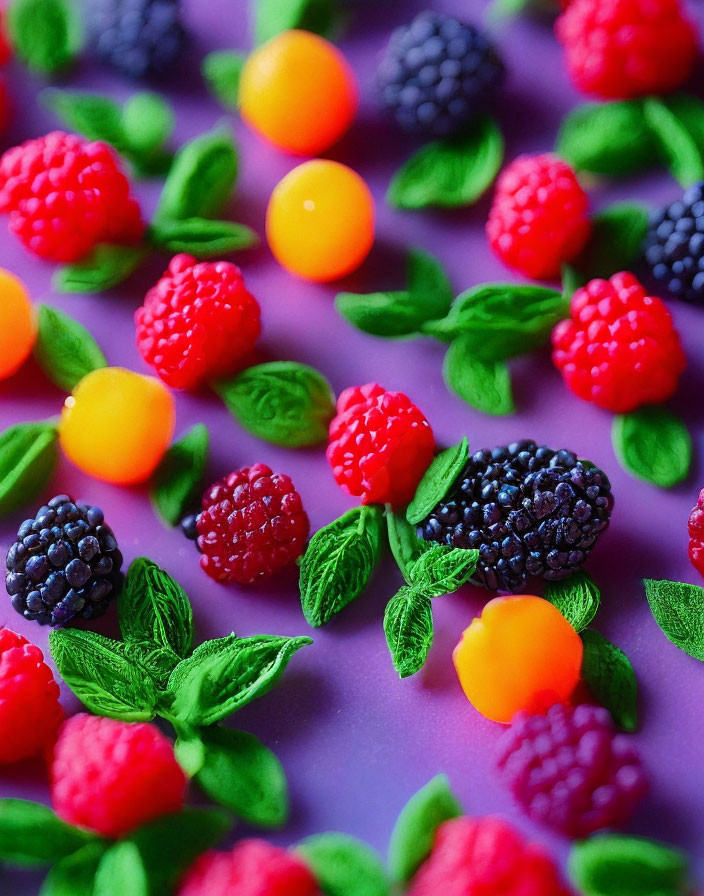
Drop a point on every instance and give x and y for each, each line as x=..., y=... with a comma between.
x=46, y=34
x=29, y=453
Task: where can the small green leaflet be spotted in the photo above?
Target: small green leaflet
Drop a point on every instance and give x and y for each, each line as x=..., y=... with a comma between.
x=442, y=570
x=65, y=350
x=414, y=832
x=616, y=865
x=28, y=456
x=74, y=875
x=678, y=609
x=120, y=872
x=405, y=545
x=654, y=445
x=344, y=866
x=281, y=402
x=179, y=475
x=485, y=385
x=677, y=145
x=577, y=598
x=201, y=236
x=271, y=17
x=222, y=70
x=408, y=625
x=105, y=267
x=616, y=241
x=46, y=34
x=437, y=481
x=95, y=116
x=609, y=675
x=450, y=173
x=31, y=835
x=339, y=562
x=147, y=123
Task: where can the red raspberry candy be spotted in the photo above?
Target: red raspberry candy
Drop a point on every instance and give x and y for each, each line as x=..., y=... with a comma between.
x=112, y=777
x=380, y=445
x=198, y=322
x=251, y=868
x=695, y=527
x=619, y=349
x=30, y=711
x=252, y=525
x=65, y=195
x=485, y=857
x=617, y=49
x=539, y=217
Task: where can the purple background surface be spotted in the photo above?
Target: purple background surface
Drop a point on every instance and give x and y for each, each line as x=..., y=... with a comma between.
x=356, y=741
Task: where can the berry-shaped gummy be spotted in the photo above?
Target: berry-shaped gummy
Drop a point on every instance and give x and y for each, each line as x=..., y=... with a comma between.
x=520, y=654
x=298, y=92
x=539, y=218
x=617, y=49
x=198, y=322
x=528, y=510
x=30, y=712
x=64, y=565
x=485, y=857
x=250, y=868
x=695, y=527
x=619, y=349
x=117, y=425
x=252, y=526
x=18, y=325
x=380, y=445
x=320, y=221
x=112, y=777
x=571, y=771
x=65, y=195
x=437, y=74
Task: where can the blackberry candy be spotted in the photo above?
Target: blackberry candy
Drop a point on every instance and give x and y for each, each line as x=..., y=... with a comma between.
x=138, y=37
x=64, y=565
x=436, y=75
x=674, y=245
x=529, y=511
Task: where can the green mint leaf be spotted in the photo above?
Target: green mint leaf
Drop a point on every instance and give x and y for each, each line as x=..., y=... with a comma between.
x=414, y=832
x=442, y=570
x=46, y=34
x=65, y=350
x=28, y=456
x=344, y=866
x=677, y=145
x=571, y=281
x=437, y=481
x=221, y=71
x=102, y=676
x=222, y=676
x=501, y=320
x=105, y=267
x=201, y=236
x=616, y=865
x=499, y=11
x=485, y=385
x=239, y=772
x=616, y=242
x=654, y=445
x=274, y=16
x=689, y=111
x=577, y=598
x=428, y=283
x=281, y=402
x=74, y=875
x=405, y=545
x=95, y=116
x=156, y=618
x=179, y=475
x=32, y=835
x=609, y=675
x=147, y=123
x=408, y=626
x=339, y=562
x=121, y=871
x=678, y=609
x=201, y=178
x=607, y=138
x=450, y=173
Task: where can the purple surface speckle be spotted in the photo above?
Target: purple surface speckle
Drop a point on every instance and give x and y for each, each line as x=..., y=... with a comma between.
x=355, y=740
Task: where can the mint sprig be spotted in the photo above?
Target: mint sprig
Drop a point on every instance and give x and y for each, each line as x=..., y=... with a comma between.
x=577, y=598
x=653, y=444
x=678, y=609
x=46, y=34
x=408, y=626
x=437, y=481
x=65, y=350
x=485, y=385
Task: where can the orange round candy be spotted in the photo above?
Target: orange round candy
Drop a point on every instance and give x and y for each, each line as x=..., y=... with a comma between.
x=320, y=220
x=520, y=654
x=298, y=92
x=18, y=325
x=117, y=425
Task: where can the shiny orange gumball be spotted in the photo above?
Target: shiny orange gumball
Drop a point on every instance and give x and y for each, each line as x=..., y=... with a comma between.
x=18, y=325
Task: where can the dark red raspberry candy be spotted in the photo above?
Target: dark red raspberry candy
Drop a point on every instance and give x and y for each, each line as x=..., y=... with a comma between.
x=619, y=349
x=380, y=445
x=198, y=322
x=251, y=526
x=695, y=527
x=65, y=195
x=539, y=217
x=617, y=49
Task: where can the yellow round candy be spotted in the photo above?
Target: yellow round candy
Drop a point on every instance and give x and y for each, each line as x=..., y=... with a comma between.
x=18, y=325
